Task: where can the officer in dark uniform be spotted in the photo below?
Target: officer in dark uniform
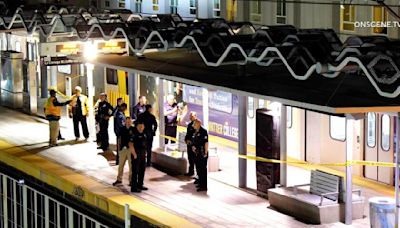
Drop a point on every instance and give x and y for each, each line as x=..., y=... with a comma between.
x=138, y=150
x=104, y=112
x=200, y=148
x=150, y=128
x=188, y=139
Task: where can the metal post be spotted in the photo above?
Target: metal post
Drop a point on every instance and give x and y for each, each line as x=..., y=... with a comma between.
x=53, y=76
x=283, y=149
x=35, y=208
x=205, y=108
x=242, y=141
x=132, y=85
x=127, y=217
x=396, y=181
x=25, y=205
x=349, y=178
x=161, y=110
x=46, y=212
x=90, y=94
x=70, y=217
x=14, y=200
x=58, y=215
x=43, y=82
x=5, y=207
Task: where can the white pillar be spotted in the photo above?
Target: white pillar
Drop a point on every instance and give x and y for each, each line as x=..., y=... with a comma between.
x=283, y=149
x=5, y=204
x=25, y=205
x=242, y=141
x=90, y=94
x=396, y=181
x=349, y=178
x=53, y=76
x=205, y=108
x=161, y=127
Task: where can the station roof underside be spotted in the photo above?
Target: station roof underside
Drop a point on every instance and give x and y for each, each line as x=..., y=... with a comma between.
x=345, y=94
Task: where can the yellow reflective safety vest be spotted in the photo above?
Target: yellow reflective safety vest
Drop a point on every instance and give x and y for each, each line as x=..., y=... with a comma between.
x=51, y=109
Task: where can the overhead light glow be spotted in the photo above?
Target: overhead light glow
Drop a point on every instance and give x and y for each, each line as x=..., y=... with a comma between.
x=90, y=51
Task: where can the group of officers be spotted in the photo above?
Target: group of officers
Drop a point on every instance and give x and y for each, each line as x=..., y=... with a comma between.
x=134, y=134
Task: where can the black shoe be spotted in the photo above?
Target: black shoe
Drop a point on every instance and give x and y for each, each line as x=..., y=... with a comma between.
x=143, y=188
x=136, y=190
x=61, y=138
x=189, y=174
x=202, y=189
x=117, y=183
x=196, y=181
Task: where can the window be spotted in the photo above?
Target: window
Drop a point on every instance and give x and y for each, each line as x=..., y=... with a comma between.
x=174, y=6
x=385, y=132
x=371, y=129
x=217, y=8
x=18, y=46
x=138, y=6
x=347, y=16
x=155, y=5
x=255, y=11
x=281, y=11
x=261, y=103
x=193, y=7
x=337, y=128
x=250, y=107
x=289, y=116
x=121, y=4
x=107, y=3
x=379, y=15
x=112, y=77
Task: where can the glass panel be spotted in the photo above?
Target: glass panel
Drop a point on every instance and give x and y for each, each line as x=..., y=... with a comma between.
x=371, y=129
x=250, y=108
x=385, y=134
x=379, y=15
x=337, y=127
x=348, y=17
x=289, y=114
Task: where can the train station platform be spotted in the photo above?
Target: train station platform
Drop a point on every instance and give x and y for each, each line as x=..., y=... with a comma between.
x=170, y=201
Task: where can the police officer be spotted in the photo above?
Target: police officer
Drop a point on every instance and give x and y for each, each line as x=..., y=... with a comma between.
x=188, y=139
x=139, y=108
x=124, y=153
x=150, y=128
x=200, y=148
x=138, y=148
x=104, y=112
x=52, y=110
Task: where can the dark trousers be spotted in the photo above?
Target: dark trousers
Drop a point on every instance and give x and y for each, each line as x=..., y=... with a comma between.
x=59, y=135
x=103, y=134
x=171, y=132
x=149, y=144
x=191, y=159
x=82, y=120
x=201, y=169
x=138, y=170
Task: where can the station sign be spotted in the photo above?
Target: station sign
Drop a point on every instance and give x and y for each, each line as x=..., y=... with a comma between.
x=112, y=47
x=59, y=60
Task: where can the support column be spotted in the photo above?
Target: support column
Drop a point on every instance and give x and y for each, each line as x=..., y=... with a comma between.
x=43, y=82
x=396, y=180
x=160, y=84
x=283, y=149
x=242, y=141
x=133, y=90
x=90, y=94
x=349, y=178
x=53, y=76
x=205, y=108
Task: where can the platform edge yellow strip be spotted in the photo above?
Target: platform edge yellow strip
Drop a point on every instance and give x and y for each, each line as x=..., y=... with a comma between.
x=44, y=170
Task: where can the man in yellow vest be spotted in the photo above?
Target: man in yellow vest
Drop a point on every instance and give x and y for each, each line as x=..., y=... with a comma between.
x=52, y=110
x=78, y=111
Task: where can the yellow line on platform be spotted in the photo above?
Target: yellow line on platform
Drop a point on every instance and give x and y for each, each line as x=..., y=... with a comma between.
x=107, y=198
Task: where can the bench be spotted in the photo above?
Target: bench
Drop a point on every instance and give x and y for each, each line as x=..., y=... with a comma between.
x=321, y=203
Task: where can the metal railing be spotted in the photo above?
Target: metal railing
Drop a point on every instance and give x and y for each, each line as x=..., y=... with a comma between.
x=23, y=206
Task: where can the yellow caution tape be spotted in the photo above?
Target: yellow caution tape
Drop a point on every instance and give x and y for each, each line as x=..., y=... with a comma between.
x=276, y=161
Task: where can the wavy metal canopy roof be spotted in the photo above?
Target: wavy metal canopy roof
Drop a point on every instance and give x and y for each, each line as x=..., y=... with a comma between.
x=304, y=55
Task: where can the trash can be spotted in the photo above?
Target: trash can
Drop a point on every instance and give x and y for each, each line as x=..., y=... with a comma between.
x=381, y=212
